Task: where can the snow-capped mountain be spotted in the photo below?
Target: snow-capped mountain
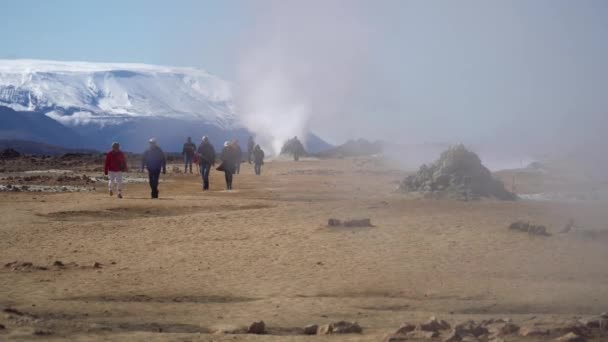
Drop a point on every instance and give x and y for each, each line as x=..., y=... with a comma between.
x=75, y=93
x=90, y=105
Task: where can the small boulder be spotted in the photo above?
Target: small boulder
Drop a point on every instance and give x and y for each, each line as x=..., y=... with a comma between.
x=341, y=327
x=311, y=329
x=258, y=328
x=405, y=328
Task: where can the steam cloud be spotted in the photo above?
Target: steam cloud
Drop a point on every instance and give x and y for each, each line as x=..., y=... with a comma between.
x=299, y=67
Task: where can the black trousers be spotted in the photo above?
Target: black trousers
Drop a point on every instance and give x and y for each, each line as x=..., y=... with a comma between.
x=258, y=169
x=153, y=178
x=228, y=174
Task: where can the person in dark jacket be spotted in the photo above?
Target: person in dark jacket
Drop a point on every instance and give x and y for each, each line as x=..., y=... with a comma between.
x=154, y=160
x=297, y=148
x=258, y=157
x=228, y=163
x=250, y=148
x=188, y=154
x=206, y=155
x=114, y=166
x=238, y=154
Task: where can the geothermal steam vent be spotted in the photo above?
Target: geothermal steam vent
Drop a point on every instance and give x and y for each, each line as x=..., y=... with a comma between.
x=459, y=174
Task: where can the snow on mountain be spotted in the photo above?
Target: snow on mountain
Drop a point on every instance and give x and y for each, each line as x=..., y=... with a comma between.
x=76, y=93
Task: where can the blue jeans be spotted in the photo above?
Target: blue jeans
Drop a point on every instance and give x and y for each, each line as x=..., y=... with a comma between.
x=205, y=169
x=153, y=177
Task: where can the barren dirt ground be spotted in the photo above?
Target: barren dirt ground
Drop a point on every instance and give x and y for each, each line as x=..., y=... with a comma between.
x=191, y=263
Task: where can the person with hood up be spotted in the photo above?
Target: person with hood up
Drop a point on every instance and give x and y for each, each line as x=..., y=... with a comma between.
x=250, y=147
x=188, y=154
x=114, y=166
x=206, y=154
x=154, y=160
x=229, y=157
x=258, y=157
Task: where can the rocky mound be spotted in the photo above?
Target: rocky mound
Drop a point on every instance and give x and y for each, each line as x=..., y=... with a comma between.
x=458, y=173
x=294, y=147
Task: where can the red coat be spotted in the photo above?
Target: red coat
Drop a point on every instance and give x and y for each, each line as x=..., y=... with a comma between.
x=115, y=162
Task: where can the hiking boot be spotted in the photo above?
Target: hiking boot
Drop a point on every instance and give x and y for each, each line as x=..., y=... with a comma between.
x=119, y=195
x=111, y=193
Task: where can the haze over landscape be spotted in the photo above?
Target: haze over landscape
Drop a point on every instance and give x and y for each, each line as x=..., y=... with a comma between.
x=337, y=170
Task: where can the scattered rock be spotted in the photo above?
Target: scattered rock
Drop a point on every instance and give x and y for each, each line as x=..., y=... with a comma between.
x=58, y=263
x=24, y=266
x=405, y=328
x=366, y=222
x=434, y=325
x=571, y=337
x=529, y=228
x=42, y=332
x=97, y=265
x=2, y=327
x=341, y=327
x=421, y=335
x=533, y=332
x=576, y=328
x=358, y=223
x=258, y=328
x=311, y=329
x=9, y=153
x=470, y=328
x=591, y=323
x=332, y=222
x=459, y=174
x=452, y=337
x=508, y=329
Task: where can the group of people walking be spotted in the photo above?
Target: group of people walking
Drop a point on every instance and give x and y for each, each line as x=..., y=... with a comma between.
x=204, y=156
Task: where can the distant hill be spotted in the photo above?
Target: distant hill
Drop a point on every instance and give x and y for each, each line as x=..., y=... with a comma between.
x=353, y=148
x=34, y=126
x=37, y=148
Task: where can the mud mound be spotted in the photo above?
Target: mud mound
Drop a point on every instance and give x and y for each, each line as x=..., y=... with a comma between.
x=294, y=147
x=458, y=173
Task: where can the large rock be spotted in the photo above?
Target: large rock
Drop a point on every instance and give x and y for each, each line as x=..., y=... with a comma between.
x=458, y=173
x=258, y=328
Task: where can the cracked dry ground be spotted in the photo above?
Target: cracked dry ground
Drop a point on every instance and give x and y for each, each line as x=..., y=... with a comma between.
x=190, y=264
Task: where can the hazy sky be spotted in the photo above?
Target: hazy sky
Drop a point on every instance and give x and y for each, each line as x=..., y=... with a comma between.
x=525, y=73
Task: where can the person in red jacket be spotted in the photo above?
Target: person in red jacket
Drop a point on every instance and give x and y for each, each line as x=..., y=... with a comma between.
x=115, y=165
